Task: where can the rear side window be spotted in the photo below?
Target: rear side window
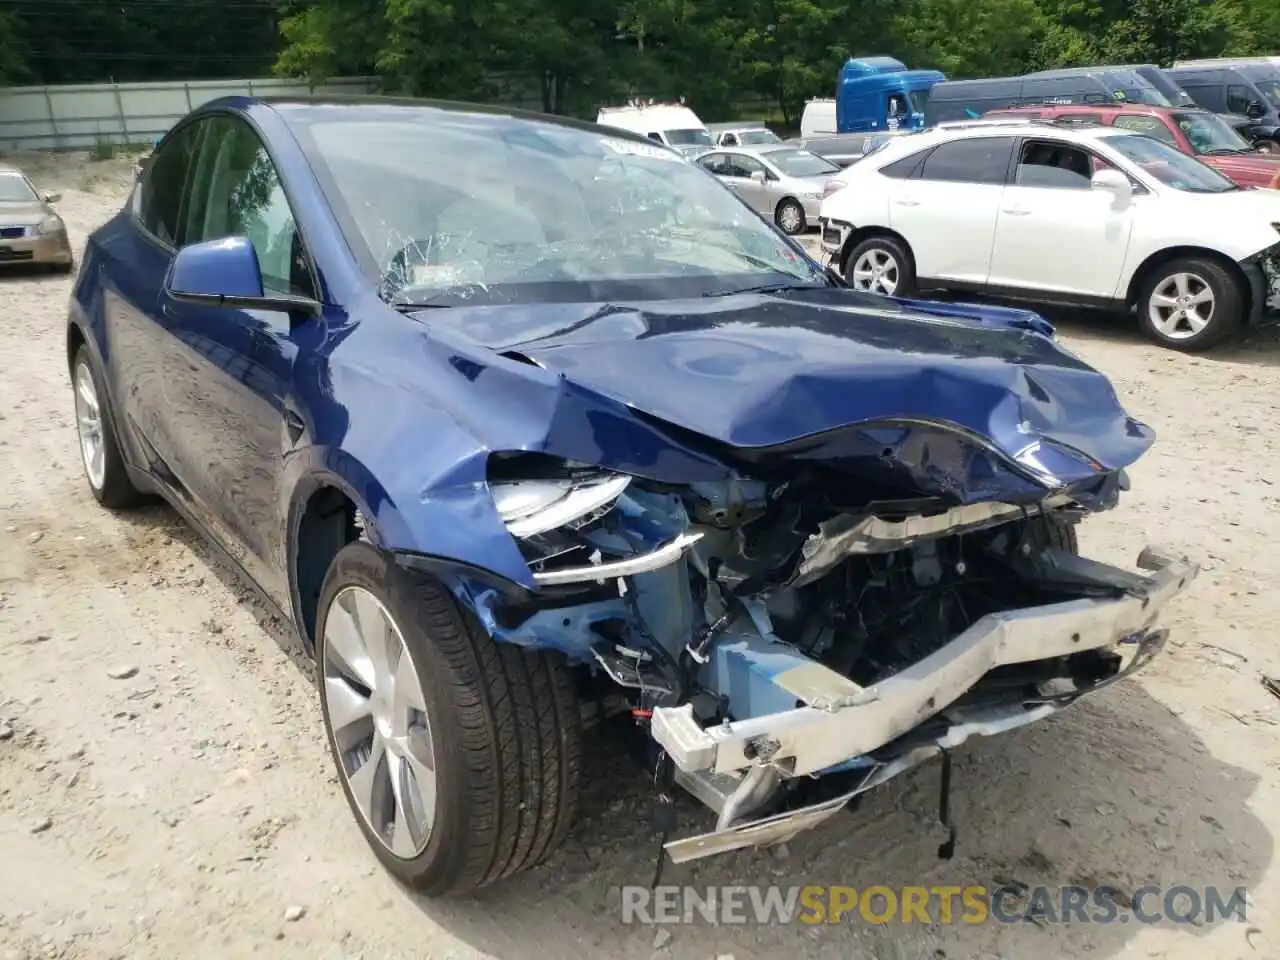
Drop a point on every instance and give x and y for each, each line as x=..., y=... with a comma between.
x=162, y=192
x=1147, y=126
x=980, y=160
x=906, y=168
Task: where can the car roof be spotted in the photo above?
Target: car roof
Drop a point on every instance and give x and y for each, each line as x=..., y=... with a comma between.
x=302, y=108
x=1132, y=108
x=1013, y=127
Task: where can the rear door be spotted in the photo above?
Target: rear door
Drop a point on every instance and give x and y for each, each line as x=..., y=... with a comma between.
x=134, y=261
x=947, y=211
x=1055, y=234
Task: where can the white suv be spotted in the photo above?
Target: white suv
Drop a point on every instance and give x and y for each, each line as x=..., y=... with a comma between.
x=1085, y=216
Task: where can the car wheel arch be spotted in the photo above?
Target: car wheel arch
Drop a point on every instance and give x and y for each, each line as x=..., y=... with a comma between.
x=861, y=234
x=326, y=513
x=1158, y=259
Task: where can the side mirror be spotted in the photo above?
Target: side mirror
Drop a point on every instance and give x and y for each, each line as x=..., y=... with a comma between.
x=52, y=197
x=1255, y=110
x=1115, y=183
x=758, y=176
x=226, y=273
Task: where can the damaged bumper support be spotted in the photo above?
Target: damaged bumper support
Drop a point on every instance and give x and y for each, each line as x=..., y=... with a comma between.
x=837, y=722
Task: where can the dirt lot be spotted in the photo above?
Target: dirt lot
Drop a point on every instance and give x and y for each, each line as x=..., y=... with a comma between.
x=165, y=791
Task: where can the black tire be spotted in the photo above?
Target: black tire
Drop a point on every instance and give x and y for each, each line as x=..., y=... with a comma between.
x=116, y=491
x=897, y=252
x=1226, y=318
x=505, y=727
x=790, y=210
x=65, y=268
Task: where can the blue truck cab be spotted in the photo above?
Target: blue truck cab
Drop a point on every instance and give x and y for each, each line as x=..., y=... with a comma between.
x=880, y=93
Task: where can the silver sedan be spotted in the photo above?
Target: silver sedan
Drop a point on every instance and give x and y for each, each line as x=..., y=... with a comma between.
x=778, y=180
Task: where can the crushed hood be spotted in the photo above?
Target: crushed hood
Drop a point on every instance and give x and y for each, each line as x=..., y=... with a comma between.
x=763, y=370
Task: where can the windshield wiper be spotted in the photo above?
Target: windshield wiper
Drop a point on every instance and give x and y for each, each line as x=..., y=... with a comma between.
x=780, y=287
x=412, y=306
x=1223, y=151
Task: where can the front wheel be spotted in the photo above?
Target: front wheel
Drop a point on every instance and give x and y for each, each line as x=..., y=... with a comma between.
x=1191, y=304
x=458, y=755
x=790, y=217
x=881, y=265
x=103, y=462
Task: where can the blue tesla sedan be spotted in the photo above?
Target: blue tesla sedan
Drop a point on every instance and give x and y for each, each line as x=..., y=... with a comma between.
x=525, y=424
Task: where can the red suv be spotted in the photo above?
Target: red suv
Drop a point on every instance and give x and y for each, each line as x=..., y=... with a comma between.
x=1200, y=133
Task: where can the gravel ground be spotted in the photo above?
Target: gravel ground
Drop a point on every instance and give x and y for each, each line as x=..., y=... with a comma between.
x=165, y=791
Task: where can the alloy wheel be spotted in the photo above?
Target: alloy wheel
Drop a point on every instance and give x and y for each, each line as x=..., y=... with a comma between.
x=1181, y=306
x=376, y=711
x=89, y=426
x=875, y=271
x=790, y=218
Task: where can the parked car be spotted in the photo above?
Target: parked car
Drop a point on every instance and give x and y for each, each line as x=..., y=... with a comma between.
x=843, y=149
x=1091, y=216
x=499, y=449
x=741, y=135
x=1248, y=88
x=959, y=100
x=672, y=124
x=778, y=181
x=31, y=232
x=1196, y=132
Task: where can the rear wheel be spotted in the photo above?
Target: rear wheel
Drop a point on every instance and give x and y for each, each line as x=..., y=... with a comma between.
x=790, y=217
x=881, y=265
x=1191, y=304
x=459, y=755
x=103, y=463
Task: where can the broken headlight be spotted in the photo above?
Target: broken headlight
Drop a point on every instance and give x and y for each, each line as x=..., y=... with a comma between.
x=534, y=506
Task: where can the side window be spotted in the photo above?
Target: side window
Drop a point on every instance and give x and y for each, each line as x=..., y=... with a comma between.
x=236, y=191
x=162, y=189
x=1047, y=163
x=1211, y=96
x=715, y=162
x=1239, y=98
x=979, y=160
x=1147, y=126
x=746, y=166
x=906, y=168
x=1068, y=119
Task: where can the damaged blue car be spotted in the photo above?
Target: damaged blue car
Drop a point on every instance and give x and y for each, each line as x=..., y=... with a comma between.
x=526, y=424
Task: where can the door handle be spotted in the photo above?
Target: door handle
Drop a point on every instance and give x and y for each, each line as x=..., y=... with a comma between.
x=907, y=203
x=1016, y=212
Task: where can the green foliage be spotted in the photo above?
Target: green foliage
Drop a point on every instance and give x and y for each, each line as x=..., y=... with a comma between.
x=761, y=57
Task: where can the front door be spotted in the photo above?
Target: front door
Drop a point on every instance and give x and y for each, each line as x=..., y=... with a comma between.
x=1055, y=233
x=232, y=405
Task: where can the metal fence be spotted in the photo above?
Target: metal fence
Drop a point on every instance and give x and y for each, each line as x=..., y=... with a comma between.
x=82, y=115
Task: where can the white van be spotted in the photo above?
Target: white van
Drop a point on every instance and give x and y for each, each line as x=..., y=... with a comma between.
x=671, y=123
x=818, y=119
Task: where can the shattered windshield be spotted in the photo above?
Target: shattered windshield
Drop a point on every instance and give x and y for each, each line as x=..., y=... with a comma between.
x=445, y=208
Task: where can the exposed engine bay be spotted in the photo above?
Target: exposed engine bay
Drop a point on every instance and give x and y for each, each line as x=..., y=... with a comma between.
x=811, y=628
